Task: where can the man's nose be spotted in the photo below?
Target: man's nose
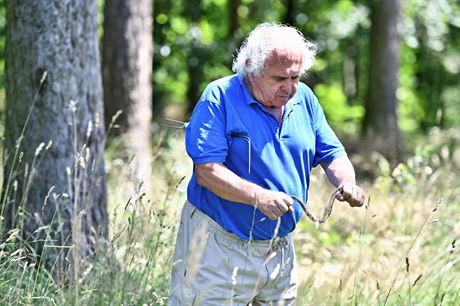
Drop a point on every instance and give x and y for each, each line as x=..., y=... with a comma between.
x=288, y=85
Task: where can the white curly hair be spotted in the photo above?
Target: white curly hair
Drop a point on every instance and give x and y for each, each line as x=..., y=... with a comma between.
x=263, y=40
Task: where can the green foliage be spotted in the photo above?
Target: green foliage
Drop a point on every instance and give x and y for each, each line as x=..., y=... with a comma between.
x=434, y=157
x=410, y=111
x=340, y=115
x=429, y=60
x=193, y=46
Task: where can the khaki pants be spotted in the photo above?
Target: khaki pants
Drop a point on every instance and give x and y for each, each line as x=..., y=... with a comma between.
x=215, y=267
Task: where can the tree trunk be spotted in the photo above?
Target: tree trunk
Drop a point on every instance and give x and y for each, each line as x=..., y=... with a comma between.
x=289, y=16
x=55, y=193
x=350, y=84
x=127, y=71
x=233, y=18
x=195, y=71
x=380, y=124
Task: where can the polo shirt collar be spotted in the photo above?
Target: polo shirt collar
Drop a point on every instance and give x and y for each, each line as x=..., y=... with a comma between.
x=247, y=95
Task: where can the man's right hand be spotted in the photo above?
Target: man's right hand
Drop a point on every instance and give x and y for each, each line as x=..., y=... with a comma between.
x=273, y=204
x=226, y=184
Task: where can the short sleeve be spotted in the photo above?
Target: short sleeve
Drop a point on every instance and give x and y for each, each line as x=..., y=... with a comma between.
x=328, y=146
x=205, y=139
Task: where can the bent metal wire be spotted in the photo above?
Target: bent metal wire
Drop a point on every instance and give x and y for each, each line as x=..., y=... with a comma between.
x=327, y=210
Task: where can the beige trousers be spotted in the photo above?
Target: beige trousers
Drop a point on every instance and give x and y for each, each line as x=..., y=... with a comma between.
x=214, y=267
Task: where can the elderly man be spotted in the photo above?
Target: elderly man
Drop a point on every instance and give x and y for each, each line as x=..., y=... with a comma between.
x=254, y=138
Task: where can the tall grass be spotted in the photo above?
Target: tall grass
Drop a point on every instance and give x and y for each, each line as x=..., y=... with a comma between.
x=398, y=250
x=133, y=269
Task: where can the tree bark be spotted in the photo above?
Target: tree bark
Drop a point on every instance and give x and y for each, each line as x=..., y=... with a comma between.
x=233, y=18
x=55, y=193
x=289, y=16
x=127, y=72
x=380, y=124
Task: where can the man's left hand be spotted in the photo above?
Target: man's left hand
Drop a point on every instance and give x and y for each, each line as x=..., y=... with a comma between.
x=351, y=193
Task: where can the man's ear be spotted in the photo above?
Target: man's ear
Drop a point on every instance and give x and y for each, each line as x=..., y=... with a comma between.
x=251, y=81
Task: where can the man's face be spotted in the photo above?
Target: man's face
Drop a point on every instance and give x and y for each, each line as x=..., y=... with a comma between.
x=278, y=82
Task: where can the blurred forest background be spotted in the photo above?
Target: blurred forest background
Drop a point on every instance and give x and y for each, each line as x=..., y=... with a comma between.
x=93, y=94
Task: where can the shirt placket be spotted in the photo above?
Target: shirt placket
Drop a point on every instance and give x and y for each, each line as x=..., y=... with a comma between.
x=283, y=125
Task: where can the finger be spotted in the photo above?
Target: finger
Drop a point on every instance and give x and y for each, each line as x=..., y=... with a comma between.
x=283, y=207
x=290, y=204
x=286, y=204
x=351, y=192
x=269, y=213
x=358, y=198
x=289, y=200
x=358, y=194
x=278, y=211
x=347, y=190
x=357, y=203
x=342, y=193
x=339, y=196
x=354, y=202
x=344, y=196
x=275, y=214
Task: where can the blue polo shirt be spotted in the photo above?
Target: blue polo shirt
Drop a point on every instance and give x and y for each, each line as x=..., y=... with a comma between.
x=229, y=126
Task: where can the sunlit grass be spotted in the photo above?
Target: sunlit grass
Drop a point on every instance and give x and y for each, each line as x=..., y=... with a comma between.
x=399, y=250
x=133, y=268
